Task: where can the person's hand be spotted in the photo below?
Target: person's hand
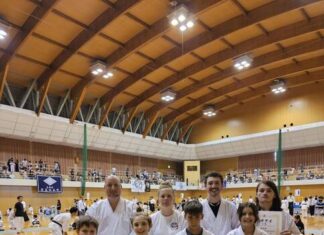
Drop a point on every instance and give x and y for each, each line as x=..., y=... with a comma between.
x=286, y=232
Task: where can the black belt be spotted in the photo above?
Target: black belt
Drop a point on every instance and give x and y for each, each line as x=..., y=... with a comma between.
x=55, y=222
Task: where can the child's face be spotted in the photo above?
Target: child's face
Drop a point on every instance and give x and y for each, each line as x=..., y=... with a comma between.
x=248, y=218
x=193, y=220
x=141, y=225
x=87, y=230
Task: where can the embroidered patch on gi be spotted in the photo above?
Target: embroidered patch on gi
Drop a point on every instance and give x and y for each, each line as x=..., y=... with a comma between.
x=174, y=225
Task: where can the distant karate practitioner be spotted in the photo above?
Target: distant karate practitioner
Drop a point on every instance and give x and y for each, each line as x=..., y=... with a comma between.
x=219, y=215
x=60, y=222
x=115, y=213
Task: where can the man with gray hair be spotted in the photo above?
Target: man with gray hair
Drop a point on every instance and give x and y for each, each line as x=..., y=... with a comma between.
x=114, y=213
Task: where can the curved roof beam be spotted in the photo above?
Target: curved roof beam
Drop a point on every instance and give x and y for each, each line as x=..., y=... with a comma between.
x=152, y=32
x=299, y=80
x=275, y=36
x=257, y=78
x=84, y=36
x=289, y=52
x=38, y=13
x=255, y=16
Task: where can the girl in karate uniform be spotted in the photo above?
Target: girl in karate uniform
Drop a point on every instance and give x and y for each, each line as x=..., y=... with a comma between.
x=248, y=216
x=268, y=199
x=141, y=224
x=167, y=221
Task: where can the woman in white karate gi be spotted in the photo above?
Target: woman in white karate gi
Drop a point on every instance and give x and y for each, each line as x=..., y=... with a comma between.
x=248, y=216
x=60, y=223
x=219, y=215
x=114, y=213
x=267, y=199
x=167, y=221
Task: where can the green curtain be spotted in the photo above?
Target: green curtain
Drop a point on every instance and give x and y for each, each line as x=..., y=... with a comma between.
x=84, y=160
x=279, y=157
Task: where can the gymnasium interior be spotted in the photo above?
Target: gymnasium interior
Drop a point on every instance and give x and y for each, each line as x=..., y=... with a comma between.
x=160, y=90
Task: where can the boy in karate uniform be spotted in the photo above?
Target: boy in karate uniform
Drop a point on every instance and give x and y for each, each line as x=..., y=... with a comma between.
x=194, y=214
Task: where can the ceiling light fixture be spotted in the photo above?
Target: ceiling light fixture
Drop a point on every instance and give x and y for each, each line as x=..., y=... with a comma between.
x=279, y=86
x=99, y=68
x=209, y=111
x=181, y=18
x=168, y=95
x=242, y=62
x=107, y=75
x=3, y=28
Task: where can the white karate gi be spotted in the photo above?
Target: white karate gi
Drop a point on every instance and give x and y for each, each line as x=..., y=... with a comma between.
x=167, y=225
x=63, y=219
x=19, y=223
x=288, y=223
x=11, y=217
x=304, y=208
x=225, y=221
x=205, y=232
x=113, y=222
x=81, y=206
x=239, y=231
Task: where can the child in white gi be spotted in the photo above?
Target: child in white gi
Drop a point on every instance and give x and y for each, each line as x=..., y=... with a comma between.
x=248, y=216
x=194, y=214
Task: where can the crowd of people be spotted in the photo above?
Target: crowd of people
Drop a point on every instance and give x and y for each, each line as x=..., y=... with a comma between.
x=126, y=176
x=258, y=175
x=213, y=215
x=27, y=169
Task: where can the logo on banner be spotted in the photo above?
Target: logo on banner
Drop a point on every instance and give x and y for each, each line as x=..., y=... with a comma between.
x=181, y=186
x=49, y=184
x=137, y=186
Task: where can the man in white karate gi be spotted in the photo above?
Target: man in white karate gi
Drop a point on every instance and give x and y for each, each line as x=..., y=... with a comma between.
x=220, y=216
x=113, y=214
x=60, y=223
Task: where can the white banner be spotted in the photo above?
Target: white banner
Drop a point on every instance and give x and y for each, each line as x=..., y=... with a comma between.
x=180, y=186
x=137, y=186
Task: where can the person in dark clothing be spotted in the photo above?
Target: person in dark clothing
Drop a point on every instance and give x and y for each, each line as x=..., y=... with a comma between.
x=58, y=206
x=19, y=214
x=17, y=166
x=299, y=223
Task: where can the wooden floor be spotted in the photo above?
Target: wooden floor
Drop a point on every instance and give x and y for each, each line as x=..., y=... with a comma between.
x=313, y=225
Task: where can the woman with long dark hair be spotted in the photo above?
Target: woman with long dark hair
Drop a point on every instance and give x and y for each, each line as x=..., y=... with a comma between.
x=268, y=199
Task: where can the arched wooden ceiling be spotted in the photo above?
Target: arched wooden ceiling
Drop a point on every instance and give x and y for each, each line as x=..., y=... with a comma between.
x=52, y=43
